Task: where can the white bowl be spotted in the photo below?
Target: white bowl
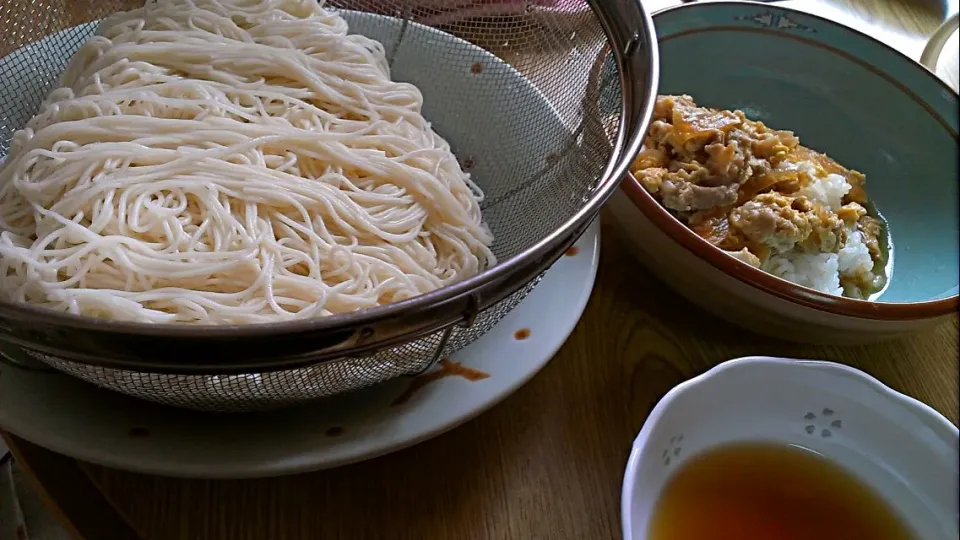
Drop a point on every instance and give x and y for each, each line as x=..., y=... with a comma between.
x=907, y=452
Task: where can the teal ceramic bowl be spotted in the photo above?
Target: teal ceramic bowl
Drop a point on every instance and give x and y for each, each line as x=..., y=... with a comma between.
x=843, y=93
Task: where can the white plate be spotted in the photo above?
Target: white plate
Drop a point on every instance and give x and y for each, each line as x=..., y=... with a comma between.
x=907, y=452
x=85, y=422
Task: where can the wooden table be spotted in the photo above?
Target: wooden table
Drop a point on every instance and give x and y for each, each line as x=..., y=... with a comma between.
x=544, y=464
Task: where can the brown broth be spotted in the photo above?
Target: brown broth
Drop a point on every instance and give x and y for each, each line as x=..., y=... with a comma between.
x=765, y=491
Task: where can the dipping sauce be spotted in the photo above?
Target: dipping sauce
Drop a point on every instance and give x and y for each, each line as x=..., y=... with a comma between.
x=765, y=491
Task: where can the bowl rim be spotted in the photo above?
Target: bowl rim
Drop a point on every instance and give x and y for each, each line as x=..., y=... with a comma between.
x=756, y=278
x=930, y=416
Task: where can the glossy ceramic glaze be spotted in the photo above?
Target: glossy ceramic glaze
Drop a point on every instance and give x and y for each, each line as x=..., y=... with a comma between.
x=843, y=93
x=902, y=449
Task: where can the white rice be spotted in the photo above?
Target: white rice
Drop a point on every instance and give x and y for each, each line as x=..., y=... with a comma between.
x=828, y=191
x=854, y=258
x=818, y=271
x=822, y=271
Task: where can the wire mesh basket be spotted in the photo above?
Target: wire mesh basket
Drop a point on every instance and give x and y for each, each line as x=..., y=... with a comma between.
x=511, y=84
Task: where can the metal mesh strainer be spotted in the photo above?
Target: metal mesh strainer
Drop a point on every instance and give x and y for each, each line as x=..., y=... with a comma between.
x=512, y=84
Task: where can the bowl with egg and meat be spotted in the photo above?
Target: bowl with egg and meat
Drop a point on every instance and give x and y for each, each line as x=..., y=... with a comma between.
x=799, y=178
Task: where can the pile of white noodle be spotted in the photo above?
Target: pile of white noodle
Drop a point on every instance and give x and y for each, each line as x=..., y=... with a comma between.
x=232, y=161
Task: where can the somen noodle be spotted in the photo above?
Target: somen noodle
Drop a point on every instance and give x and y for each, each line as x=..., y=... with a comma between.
x=232, y=161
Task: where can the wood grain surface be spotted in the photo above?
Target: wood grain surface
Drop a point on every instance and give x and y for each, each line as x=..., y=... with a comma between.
x=544, y=464
x=547, y=462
